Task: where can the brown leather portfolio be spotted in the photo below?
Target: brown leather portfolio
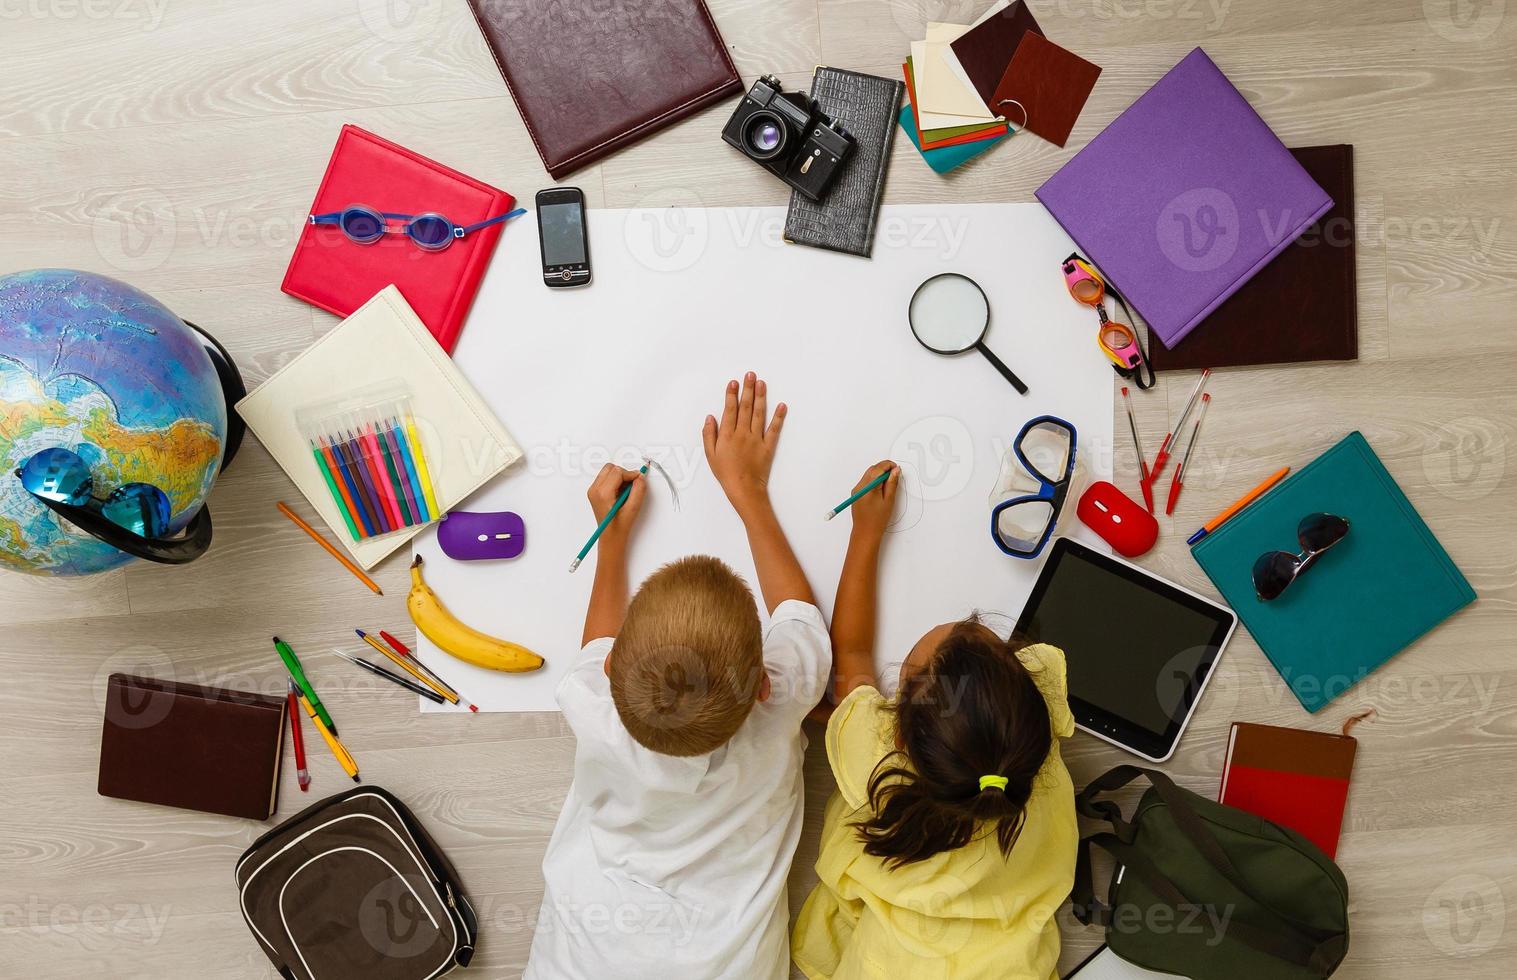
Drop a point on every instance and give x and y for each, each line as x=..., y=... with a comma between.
x=1303, y=306
x=192, y=747
x=591, y=76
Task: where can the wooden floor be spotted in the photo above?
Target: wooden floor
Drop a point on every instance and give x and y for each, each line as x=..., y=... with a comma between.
x=177, y=144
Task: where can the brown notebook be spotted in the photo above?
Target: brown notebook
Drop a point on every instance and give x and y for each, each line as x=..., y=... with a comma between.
x=591, y=76
x=1303, y=306
x=192, y=747
x=1296, y=778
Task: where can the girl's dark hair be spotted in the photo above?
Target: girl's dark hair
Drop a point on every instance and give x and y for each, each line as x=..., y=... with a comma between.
x=974, y=711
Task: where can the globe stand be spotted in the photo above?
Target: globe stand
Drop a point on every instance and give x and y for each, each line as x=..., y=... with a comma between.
x=232, y=389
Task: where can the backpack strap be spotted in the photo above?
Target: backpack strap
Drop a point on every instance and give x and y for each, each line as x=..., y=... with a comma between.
x=1105, y=810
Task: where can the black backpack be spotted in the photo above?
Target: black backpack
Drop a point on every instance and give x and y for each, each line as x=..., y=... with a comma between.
x=353, y=888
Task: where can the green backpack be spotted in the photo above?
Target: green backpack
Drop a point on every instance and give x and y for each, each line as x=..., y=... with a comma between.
x=1208, y=891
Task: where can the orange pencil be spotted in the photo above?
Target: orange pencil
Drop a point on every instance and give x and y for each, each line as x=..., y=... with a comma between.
x=1242, y=502
x=357, y=572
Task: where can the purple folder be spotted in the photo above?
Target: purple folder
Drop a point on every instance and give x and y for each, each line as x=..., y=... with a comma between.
x=1184, y=197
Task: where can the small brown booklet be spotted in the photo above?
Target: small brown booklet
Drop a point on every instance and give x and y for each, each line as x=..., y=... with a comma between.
x=193, y=747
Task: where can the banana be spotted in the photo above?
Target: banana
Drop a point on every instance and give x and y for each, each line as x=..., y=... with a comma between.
x=464, y=642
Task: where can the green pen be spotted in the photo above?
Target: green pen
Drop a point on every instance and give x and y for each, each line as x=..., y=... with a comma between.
x=860, y=495
x=293, y=666
x=606, y=521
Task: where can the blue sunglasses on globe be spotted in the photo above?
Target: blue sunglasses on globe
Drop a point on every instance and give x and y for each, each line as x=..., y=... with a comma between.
x=62, y=476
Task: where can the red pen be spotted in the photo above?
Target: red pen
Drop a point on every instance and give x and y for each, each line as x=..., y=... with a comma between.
x=405, y=651
x=1178, y=482
x=1163, y=457
x=395, y=644
x=302, y=774
x=1144, y=482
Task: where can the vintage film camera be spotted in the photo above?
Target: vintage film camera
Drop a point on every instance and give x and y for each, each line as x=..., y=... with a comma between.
x=789, y=135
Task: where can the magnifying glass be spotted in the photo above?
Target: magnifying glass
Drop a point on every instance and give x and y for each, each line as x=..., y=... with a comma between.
x=949, y=314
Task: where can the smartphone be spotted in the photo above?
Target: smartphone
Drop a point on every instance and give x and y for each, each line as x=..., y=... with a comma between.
x=561, y=235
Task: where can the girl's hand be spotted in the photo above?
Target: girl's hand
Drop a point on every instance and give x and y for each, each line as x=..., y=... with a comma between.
x=872, y=513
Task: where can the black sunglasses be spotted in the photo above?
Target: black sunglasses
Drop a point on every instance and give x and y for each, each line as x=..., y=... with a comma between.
x=1274, y=571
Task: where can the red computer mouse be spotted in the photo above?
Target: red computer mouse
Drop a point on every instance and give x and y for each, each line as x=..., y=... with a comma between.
x=1118, y=519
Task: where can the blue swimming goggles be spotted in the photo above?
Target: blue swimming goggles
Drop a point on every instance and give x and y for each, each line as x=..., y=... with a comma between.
x=431, y=231
x=1022, y=525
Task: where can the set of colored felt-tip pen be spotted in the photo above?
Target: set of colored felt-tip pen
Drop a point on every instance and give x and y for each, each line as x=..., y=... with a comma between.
x=371, y=458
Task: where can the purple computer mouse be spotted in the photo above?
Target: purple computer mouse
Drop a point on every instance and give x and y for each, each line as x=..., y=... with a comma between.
x=481, y=535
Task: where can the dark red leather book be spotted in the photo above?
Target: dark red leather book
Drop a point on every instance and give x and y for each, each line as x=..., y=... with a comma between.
x=591, y=76
x=338, y=275
x=1303, y=305
x=1295, y=778
x=193, y=747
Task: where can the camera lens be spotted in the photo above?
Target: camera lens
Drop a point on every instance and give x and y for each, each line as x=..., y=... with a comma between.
x=765, y=136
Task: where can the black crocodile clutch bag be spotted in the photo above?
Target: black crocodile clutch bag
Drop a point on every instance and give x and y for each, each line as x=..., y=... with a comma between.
x=844, y=220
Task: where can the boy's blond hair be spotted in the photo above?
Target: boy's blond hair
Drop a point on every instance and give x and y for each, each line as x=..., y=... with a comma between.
x=686, y=666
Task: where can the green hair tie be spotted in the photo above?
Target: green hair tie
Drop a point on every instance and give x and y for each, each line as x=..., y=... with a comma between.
x=999, y=782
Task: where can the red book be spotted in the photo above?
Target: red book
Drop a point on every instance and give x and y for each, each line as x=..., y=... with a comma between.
x=338, y=275
x=1295, y=778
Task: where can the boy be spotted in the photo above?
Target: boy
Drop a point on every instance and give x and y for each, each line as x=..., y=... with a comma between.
x=670, y=857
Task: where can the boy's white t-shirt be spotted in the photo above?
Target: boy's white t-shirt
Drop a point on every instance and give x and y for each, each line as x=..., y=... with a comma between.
x=672, y=868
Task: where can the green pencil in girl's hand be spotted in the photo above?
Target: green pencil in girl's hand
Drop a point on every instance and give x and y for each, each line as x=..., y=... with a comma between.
x=605, y=522
x=860, y=495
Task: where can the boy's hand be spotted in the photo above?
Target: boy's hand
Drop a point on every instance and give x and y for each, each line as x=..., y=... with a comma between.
x=872, y=512
x=740, y=448
x=603, y=492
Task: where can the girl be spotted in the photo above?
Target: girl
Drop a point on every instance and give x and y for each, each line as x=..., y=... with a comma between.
x=950, y=842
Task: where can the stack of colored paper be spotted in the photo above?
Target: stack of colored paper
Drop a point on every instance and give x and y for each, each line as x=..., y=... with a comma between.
x=972, y=85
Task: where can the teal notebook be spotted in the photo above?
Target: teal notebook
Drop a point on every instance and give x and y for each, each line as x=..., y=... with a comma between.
x=945, y=158
x=1368, y=598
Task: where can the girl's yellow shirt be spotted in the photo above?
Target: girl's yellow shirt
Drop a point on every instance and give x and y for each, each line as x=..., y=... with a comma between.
x=967, y=914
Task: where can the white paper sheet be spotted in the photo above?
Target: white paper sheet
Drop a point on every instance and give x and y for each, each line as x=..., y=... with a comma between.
x=686, y=299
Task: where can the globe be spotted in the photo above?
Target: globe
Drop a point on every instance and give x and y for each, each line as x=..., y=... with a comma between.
x=94, y=365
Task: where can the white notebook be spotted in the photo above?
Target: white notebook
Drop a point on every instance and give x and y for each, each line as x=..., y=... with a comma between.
x=382, y=341
x=1106, y=965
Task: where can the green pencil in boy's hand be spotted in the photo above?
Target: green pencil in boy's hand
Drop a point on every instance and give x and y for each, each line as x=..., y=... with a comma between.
x=872, y=484
x=605, y=522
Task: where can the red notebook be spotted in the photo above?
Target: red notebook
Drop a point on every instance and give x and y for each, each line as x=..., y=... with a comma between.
x=329, y=271
x=1295, y=778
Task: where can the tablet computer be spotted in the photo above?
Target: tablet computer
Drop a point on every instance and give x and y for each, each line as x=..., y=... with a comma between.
x=1139, y=649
